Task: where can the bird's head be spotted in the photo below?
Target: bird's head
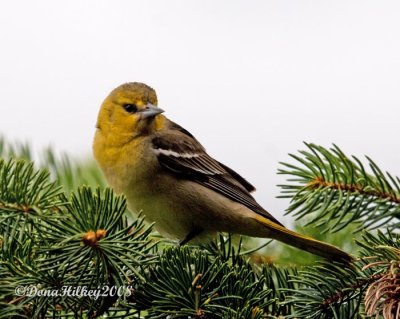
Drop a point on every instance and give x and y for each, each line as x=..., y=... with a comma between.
x=130, y=110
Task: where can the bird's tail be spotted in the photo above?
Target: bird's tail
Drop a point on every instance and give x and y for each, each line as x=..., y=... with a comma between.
x=303, y=242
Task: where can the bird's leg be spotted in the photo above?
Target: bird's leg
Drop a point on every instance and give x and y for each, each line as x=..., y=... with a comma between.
x=192, y=234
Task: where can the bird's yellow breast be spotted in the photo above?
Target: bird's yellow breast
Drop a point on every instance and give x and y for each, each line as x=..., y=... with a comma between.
x=122, y=163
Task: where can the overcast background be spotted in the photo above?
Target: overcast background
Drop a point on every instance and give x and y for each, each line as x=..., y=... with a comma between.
x=251, y=80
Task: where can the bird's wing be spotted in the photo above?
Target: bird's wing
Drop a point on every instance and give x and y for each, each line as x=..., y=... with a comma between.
x=250, y=188
x=183, y=155
x=176, y=127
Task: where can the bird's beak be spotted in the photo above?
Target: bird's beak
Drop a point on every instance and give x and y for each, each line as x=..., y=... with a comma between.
x=150, y=111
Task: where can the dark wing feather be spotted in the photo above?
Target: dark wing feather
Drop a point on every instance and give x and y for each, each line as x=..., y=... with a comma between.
x=183, y=155
x=239, y=178
x=236, y=176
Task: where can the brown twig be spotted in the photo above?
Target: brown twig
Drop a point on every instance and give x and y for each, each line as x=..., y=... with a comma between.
x=320, y=182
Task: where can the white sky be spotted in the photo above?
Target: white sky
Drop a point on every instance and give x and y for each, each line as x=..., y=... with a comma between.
x=251, y=79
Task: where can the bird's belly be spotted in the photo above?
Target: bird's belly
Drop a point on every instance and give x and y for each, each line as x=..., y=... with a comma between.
x=170, y=219
x=180, y=208
x=160, y=201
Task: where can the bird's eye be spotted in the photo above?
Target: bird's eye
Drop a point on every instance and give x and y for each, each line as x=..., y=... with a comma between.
x=130, y=108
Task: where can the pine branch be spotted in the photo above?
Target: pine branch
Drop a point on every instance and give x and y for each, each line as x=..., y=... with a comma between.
x=215, y=281
x=328, y=290
x=26, y=193
x=369, y=287
x=189, y=282
x=278, y=279
x=49, y=242
x=336, y=190
x=64, y=171
x=96, y=226
x=382, y=252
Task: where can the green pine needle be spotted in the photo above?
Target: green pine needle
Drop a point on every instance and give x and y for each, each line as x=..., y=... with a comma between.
x=336, y=190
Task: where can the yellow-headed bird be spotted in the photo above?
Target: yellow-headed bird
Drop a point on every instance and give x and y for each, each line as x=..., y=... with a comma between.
x=165, y=172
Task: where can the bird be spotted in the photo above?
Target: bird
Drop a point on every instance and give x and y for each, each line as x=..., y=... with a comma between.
x=166, y=174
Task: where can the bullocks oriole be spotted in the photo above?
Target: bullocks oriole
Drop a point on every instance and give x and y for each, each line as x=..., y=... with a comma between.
x=165, y=172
